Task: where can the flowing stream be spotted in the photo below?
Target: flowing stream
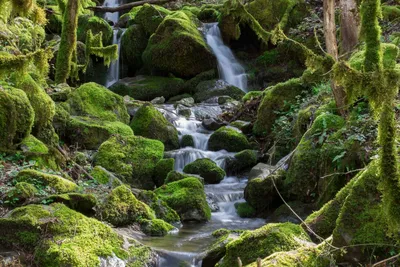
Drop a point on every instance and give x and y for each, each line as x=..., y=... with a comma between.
x=230, y=70
x=187, y=244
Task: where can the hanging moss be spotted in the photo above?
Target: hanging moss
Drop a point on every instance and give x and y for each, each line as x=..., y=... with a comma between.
x=94, y=46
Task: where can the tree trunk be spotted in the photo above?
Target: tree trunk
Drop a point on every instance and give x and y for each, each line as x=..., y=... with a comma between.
x=125, y=6
x=68, y=41
x=332, y=49
x=349, y=26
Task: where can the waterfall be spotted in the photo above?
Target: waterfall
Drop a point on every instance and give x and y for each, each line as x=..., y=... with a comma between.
x=111, y=16
x=230, y=70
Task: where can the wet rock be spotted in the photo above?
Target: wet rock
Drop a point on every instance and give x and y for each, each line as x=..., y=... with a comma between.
x=212, y=202
x=241, y=161
x=261, y=170
x=218, y=249
x=208, y=89
x=188, y=102
x=158, y=100
x=213, y=124
x=184, y=111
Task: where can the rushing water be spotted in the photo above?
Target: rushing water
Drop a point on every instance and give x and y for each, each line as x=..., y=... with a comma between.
x=230, y=69
x=113, y=70
x=187, y=244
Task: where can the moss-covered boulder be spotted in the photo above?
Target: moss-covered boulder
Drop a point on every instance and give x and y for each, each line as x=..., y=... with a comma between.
x=83, y=203
x=187, y=198
x=307, y=166
x=277, y=98
x=132, y=158
x=209, y=89
x=241, y=161
x=150, y=17
x=133, y=43
x=217, y=249
x=55, y=183
x=70, y=238
x=228, y=138
x=96, y=25
x=263, y=242
x=149, y=122
x=207, y=169
x=122, y=208
x=244, y=210
x=160, y=207
x=43, y=106
x=102, y=176
x=96, y=101
x=16, y=116
x=174, y=176
x=187, y=140
x=21, y=192
x=162, y=169
x=155, y=227
x=148, y=87
x=178, y=47
x=261, y=194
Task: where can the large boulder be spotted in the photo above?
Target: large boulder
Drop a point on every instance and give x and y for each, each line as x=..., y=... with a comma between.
x=148, y=87
x=241, y=161
x=96, y=25
x=121, y=208
x=149, y=122
x=16, y=116
x=209, y=89
x=133, y=43
x=58, y=236
x=207, y=169
x=228, y=138
x=133, y=158
x=178, y=47
x=150, y=17
x=263, y=242
x=187, y=198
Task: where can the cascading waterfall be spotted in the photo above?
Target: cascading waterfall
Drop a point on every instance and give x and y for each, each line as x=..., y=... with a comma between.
x=230, y=70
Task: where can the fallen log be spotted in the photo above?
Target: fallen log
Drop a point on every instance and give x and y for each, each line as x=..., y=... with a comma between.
x=125, y=6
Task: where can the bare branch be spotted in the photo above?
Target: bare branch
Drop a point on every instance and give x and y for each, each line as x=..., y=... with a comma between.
x=125, y=6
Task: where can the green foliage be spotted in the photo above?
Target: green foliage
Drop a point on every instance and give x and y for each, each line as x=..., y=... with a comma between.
x=207, y=169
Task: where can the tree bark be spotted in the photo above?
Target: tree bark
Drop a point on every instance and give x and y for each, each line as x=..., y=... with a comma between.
x=126, y=6
x=332, y=49
x=349, y=26
x=68, y=41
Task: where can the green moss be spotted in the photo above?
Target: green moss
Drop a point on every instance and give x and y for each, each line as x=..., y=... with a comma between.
x=241, y=161
x=208, y=89
x=96, y=101
x=187, y=198
x=33, y=145
x=133, y=43
x=133, y=158
x=121, y=208
x=187, y=140
x=148, y=87
x=150, y=17
x=174, y=176
x=228, y=138
x=208, y=14
x=149, y=122
x=178, y=38
x=263, y=242
x=207, y=169
x=16, y=117
x=252, y=95
x=275, y=99
x=160, y=207
x=155, y=227
x=95, y=25
x=390, y=13
x=83, y=203
x=56, y=183
x=20, y=193
x=217, y=250
x=91, y=133
x=100, y=174
x=161, y=170
x=244, y=210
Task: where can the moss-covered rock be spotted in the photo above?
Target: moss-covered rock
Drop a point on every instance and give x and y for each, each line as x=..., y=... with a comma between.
x=178, y=47
x=70, y=238
x=150, y=17
x=241, y=161
x=150, y=123
x=43, y=106
x=174, y=176
x=83, y=203
x=20, y=193
x=148, y=87
x=155, y=227
x=133, y=43
x=218, y=249
x=208, y=89
x=187, y=140
x=187, y=198
x=228, y=138
x=121, y=208
x=133, y=158
x=276, y=98
x=263, y=242
x=16, y=116
x=102, y=176
x=207, y=169
x=261, y=194
x=162, y=169
x=160, y=207
x=95, y=101
x=55, y=183
x=244, y=210
x=96, y=25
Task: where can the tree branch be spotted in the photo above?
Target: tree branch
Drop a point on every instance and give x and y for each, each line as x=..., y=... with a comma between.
x=125, y=6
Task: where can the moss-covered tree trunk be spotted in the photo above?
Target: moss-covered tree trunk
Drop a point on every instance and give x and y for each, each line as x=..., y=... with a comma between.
x=331, y=46
x=68, y=41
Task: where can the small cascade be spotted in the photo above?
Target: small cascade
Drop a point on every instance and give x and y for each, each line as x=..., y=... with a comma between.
x=113, y=70
x=230, y=70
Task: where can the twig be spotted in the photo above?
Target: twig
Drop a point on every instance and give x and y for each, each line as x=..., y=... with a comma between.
x=80, y=168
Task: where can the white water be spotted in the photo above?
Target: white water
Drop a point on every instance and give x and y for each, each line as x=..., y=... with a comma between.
x=230, y=70
x=114, y=16
x=113, y=70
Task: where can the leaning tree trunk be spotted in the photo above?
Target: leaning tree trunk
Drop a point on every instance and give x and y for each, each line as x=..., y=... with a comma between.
x=68, y=41
x=349, y=26
x=332, y=49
